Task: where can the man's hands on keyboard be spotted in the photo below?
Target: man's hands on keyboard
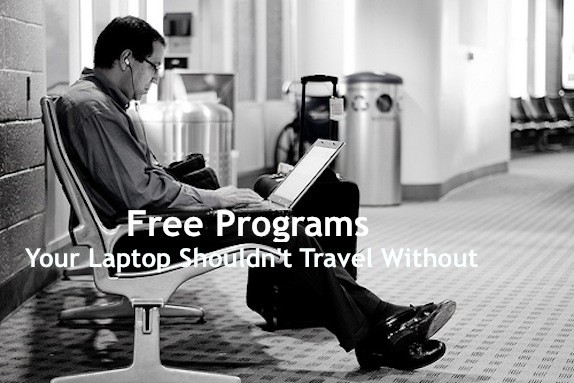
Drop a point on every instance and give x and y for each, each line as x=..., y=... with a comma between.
x=230, y=196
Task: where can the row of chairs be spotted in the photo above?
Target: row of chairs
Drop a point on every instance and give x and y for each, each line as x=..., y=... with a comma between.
x=541, y=120
x=541, y=113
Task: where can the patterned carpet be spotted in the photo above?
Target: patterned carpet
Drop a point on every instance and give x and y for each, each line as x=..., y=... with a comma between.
x=515, y=318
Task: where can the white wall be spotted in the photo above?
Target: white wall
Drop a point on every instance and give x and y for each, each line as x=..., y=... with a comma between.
x=455, y=110
x=403, y=38
x=474, y=104
x=320, y=26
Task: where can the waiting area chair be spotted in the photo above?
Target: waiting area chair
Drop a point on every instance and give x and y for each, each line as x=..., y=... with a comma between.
x=519, y=119
x=541, y=114
x=538, y=118
x=568, y=102
x=147, y=291
x=558, y=112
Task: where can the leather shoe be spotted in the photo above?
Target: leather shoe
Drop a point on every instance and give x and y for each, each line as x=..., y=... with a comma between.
x=417, y=324
x=416, y=355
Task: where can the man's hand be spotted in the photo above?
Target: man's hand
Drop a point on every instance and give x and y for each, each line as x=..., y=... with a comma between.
x=284, y=168
x=229, y=196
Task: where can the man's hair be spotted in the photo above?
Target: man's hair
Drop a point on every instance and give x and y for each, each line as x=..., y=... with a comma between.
x=123, y=33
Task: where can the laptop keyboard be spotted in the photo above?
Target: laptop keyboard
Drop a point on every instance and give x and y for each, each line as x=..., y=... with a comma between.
x=259, y=207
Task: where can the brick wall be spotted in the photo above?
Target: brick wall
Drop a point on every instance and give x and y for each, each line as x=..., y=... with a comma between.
x=22, y=178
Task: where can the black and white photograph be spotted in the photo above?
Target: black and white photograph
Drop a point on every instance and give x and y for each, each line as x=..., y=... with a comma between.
x=286, y=191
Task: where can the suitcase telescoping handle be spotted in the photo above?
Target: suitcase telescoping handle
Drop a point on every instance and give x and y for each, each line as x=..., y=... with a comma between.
x=304, y=81
x=319, y=78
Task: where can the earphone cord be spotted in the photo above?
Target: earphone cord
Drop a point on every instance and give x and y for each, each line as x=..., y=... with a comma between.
x=145, y=135
x=137, y=106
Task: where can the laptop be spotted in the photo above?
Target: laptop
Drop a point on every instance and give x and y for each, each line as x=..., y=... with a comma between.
x=296, y=183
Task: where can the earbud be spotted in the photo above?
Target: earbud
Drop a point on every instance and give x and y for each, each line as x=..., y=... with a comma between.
x=127, y=62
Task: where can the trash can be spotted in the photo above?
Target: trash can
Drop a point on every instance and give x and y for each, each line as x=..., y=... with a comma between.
x=176, y=128
x=373, y=136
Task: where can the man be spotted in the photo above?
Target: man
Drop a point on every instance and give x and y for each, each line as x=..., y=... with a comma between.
x=113, y=161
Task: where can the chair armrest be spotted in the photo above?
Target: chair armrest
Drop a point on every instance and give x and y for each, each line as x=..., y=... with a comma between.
x=161, y=284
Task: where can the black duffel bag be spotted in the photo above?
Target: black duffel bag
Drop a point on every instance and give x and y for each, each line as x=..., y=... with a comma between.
x=192, y=171
x=275, y=293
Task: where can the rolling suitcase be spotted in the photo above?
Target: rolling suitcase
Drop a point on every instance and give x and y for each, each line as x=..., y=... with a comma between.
x=275, y=294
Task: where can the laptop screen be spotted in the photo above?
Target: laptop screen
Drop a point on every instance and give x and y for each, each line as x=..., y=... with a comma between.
x=317, y=158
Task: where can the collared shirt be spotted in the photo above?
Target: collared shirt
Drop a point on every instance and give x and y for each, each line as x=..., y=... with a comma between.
x=111, y=159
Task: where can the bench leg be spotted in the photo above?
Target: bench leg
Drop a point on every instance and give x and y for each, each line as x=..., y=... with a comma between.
x=146, y=366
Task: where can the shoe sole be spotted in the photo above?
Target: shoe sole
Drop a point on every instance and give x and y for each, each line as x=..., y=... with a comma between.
x=425, y=328
x=442, y=314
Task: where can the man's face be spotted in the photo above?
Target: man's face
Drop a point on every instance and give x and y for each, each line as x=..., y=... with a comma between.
x=146, y=72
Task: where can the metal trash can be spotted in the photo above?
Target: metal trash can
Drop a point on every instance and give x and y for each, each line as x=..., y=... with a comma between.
x=176, y=128
x=373, y=136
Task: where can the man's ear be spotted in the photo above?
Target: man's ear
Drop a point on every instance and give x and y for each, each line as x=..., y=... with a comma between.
x=125, y=59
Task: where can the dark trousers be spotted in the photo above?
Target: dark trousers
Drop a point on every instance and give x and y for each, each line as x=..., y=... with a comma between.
x=348, y=310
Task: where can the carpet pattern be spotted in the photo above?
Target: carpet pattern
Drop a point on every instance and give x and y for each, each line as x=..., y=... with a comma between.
x=514, y=323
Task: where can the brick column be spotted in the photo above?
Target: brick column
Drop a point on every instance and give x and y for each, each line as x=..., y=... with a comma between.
x=22, y=176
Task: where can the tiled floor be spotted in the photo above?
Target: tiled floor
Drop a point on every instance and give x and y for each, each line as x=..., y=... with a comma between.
x=514, y=323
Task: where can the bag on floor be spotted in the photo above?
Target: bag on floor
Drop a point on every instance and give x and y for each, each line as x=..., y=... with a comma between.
x=274, y=292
